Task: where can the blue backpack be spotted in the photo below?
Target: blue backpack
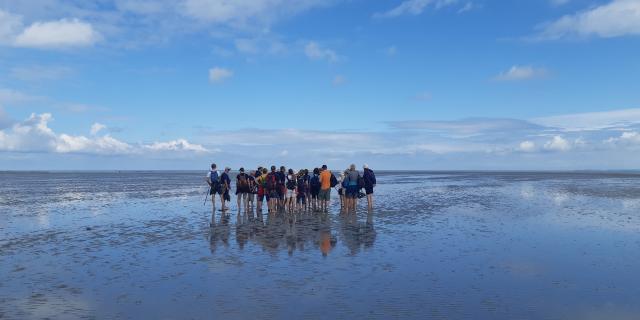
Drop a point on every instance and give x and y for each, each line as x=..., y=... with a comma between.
x=315, y=182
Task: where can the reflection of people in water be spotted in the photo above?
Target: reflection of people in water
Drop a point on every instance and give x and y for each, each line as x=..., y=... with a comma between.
x=220, y=232
x=356, y=234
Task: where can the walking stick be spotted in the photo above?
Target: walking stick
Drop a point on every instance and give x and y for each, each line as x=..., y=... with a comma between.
x=206, y=196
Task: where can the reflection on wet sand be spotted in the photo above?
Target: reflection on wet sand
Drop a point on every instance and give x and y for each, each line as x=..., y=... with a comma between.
x=295, y=231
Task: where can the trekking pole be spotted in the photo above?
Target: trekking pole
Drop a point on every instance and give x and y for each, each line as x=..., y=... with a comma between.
x=206, y=196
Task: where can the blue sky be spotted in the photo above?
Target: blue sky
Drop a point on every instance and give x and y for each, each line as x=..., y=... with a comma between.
x=415, y=84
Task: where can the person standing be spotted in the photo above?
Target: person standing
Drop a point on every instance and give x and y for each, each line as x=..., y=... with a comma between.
x=314, y=189
x=369, y=183
x=213, y=180
x=282, y=189
x=242, y=190
x=225, y=185
x=253, y=189
x=263, y=194
x=272, y=189
x=352, y=190
x=302, y=187
x=291, y=190
x=325, y=188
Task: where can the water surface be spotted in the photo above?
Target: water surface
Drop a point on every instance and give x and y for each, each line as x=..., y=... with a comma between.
x=441, y=245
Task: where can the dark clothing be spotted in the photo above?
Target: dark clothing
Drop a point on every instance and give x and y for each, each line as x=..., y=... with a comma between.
x=369, y=180
x=239, y=187
x=225, y=184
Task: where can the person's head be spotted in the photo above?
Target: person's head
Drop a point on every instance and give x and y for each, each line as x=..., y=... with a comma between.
x=352, y=167
x=346, y=172
x=227, y=169
x=290, y=171
x=316, y=171
x=324, y=167
x=252, y=172
x=260, y=169
x=265, y=171
x=365, y=166
x=241, y=170
x=283, y=169
x=273, y=168
x=306, y=171
x=213, y=166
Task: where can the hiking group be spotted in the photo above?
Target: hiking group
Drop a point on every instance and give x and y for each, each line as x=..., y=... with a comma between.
x=287, y=190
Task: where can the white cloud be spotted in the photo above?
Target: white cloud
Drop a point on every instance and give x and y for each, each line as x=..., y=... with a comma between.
x=527, y=146
x=315, y=52
x=35, y=135
x=176, y=145
x=591, y=120
x=58, y=34
x=97, y=127
x=339, y=80
x=557, y=143
x=614, y=19
x=218, y=74
x=5, y=121
x=518, y=73
x=414, y=7
x=423, y=96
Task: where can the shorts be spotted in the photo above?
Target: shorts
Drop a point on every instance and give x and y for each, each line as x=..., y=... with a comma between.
x=291, y=193
x=314, y=193
x=214, y=189
x=301, y=198
x=368, y=189
x=280, y=192
x=262, y=196
x=274, y=194
x=341, y=191
x=352, y=192
x=242, y=190
x=325, y=194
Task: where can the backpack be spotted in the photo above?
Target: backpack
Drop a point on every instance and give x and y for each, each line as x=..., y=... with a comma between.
x=272, y=182
x=291, y=183
x=315, y=182
x=334, y=180
x=242, y=181
x=215, y=179
x=302, y=185
x=371, y=177
x=253, y=186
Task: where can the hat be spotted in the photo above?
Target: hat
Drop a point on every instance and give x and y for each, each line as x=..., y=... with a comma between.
x=241, y=169
x=366, y=166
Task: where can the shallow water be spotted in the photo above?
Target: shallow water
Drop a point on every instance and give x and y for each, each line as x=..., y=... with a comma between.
x=447, y=245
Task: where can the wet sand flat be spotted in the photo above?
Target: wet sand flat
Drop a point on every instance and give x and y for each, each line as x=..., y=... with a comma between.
x=438, y=245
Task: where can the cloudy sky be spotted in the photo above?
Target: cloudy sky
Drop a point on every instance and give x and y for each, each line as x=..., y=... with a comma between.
x=399, y=84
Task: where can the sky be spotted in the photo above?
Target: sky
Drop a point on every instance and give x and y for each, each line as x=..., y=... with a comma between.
x=397, y=84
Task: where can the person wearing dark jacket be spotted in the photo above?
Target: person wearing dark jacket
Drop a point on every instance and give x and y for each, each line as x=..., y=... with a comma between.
x=369, y=183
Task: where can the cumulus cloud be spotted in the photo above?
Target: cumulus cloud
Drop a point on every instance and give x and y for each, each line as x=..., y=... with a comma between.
x=316, y=52
x=614, y=19
x=527, y=146
x=519, y=73
x=413, y=7
x=557, y=143
x=57, y=34
x=218, y=74
x=97, y=127
x=35, y=135
x=175, y=145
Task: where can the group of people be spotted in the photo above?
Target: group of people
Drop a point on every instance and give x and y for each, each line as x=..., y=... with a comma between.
x=288, y=190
